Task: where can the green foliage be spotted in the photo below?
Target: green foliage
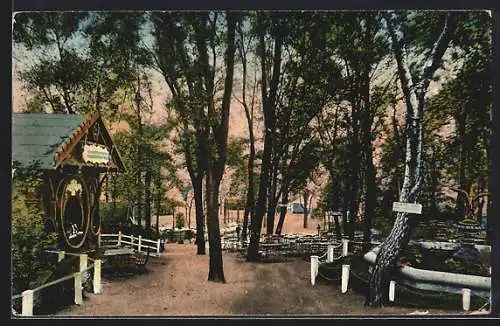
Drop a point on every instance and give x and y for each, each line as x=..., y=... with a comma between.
x=179, y=220
x=113, y=216
x=29, y=238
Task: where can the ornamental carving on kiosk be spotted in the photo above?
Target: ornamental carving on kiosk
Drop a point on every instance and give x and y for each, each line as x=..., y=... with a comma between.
x=74, y=188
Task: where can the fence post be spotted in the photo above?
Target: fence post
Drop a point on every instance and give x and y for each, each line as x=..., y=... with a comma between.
x=466, y=299
x=83, y=261
x=132, y=240
x=314, y=268
x=158, y=246
x=78, y=288
x=345, y=277
x=392, y=290
x=99, y=240
x=119, y=238
x=27, y=305
x=60, y=256
x=329, y=254
x=97, y=276
x=139, y=246
x=345, y=247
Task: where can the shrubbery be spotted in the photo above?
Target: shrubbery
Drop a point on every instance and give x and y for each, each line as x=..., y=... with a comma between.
x=29, y=237
x=179, y=220
x=113, y=217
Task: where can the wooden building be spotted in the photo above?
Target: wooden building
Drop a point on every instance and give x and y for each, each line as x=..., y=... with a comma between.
x=74, y=154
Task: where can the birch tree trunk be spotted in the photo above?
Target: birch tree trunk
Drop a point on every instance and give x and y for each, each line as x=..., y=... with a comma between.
x=414, y=96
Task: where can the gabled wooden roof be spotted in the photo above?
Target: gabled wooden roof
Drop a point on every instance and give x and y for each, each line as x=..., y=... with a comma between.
x=49, y=139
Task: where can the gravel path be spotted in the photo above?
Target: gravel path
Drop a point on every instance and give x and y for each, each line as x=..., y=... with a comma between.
x=175, y=284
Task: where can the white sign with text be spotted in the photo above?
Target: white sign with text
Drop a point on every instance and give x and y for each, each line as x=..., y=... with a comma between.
x=407, y=207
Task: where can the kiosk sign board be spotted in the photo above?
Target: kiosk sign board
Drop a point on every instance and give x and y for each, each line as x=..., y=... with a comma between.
x=96, y=154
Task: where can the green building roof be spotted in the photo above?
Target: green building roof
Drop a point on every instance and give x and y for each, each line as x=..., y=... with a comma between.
x=36, y=137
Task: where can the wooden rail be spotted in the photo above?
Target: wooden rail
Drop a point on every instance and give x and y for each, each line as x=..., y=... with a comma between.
x=27, y=296
x=139, y=243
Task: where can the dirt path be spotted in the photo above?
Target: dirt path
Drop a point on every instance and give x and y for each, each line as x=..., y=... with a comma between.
x=176, y=285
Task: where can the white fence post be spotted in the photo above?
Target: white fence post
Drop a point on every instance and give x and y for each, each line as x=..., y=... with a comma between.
x=119, y=238
x=329, y=254
x=83, y=261
x=60, y=256
x=99, y=240
x=78, y=288
x=27, y=305
x=392, y=290
x=84, y=258
x=158, y=246
x=97, y=276
x=132, y=240
x=139, y=247
x=314, y=268
x=466, y=299
x=345, y=277
x=345, y=247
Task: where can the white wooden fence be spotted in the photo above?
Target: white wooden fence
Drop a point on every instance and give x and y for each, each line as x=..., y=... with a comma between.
x=139, y=243
x=27, y=296
x=316, y=262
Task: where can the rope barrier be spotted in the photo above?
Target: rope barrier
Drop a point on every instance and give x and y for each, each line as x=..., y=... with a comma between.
x=331, y=268
x=327, y=278
x=69, y=254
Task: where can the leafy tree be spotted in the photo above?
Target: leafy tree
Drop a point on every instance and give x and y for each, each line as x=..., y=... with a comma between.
x=61, y=70
x=186, y=55
x=80, y=61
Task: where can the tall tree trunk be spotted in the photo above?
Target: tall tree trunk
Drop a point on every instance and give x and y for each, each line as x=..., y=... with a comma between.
x=189, y=213
x=218, y=154
x=200, y=218
x=147, y=195
x=260, y=207
x=490, y=187
x=139, y=199
x=338, y=231
x=249, y=205
x=371, y=195
x=353, y=182
x=461, y=201
x=158, y=204
x=371, y=188
x=268, y=103
x=414, y=95
x=271, y=202
x=216, y=271
x=250, y=200
x=284, y=202
x=305, y=197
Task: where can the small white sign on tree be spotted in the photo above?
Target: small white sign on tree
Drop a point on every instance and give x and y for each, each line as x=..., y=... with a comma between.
x=407, y=207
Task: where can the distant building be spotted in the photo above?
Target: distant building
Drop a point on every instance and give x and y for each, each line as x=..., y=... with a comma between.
x=297, y=208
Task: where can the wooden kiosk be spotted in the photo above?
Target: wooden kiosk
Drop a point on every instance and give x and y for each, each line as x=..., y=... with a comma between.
x=74, y=154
